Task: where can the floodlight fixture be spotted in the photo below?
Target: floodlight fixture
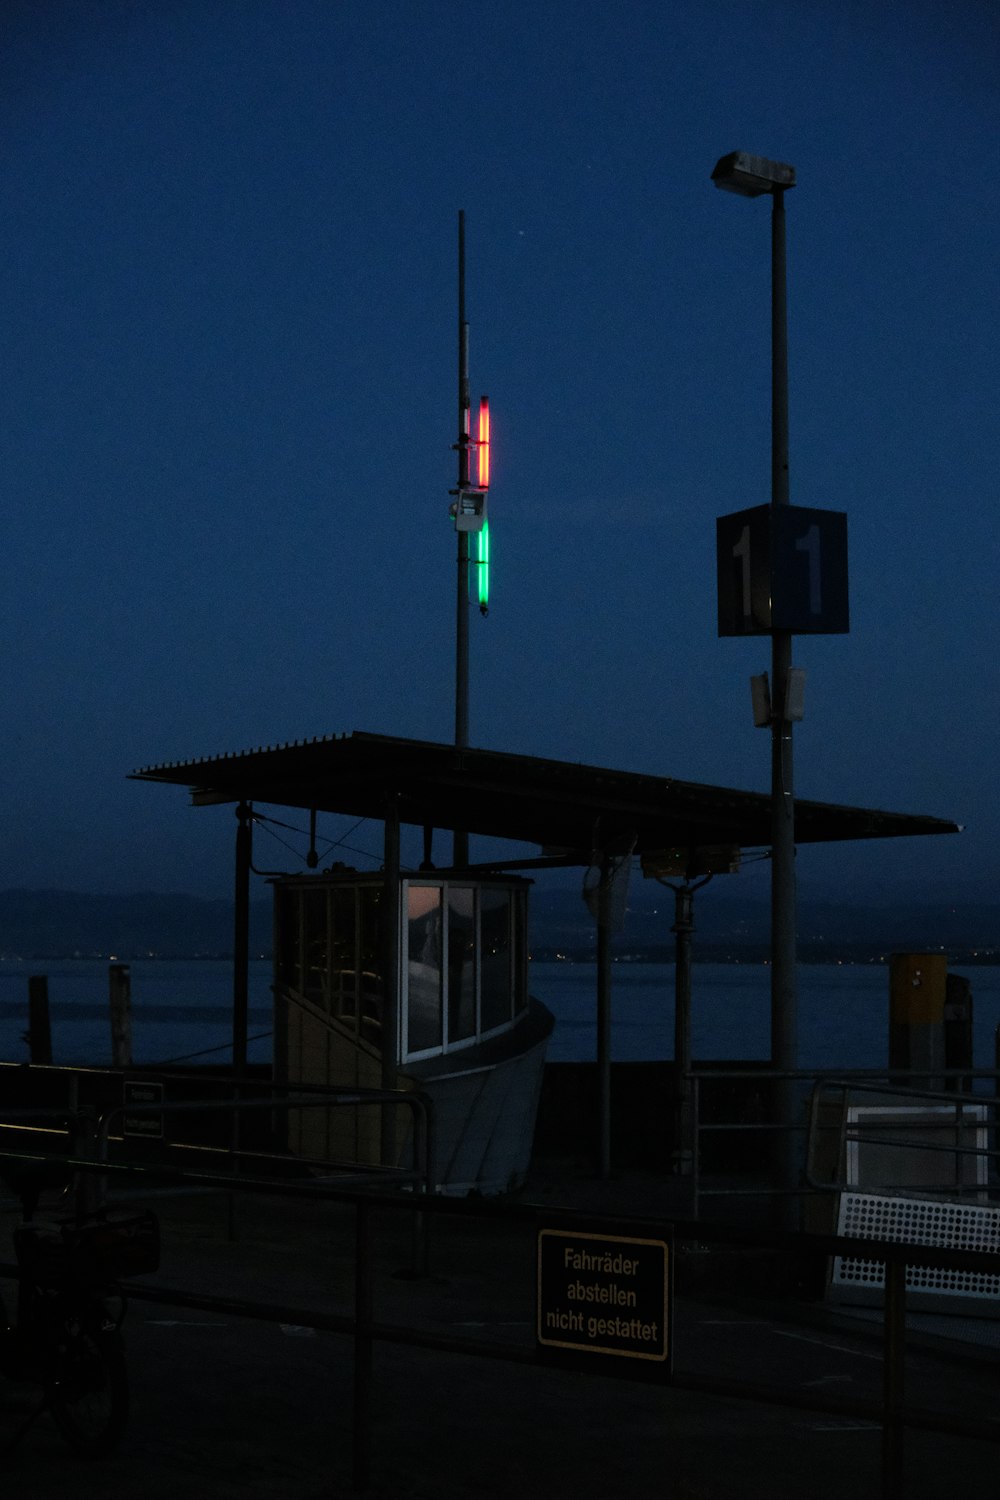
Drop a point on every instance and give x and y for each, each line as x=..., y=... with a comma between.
x=468, y=509
x=752, y=176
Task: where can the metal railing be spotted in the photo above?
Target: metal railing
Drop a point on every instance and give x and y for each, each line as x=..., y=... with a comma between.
x=91, y=1138
x=83, y=1123
x=362, y=1326
x=974, y=1111
x=932, y=1141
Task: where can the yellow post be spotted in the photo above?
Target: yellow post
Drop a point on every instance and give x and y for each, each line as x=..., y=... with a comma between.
x=918, y=983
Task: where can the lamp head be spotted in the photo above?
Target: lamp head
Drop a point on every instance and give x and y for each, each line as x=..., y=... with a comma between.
x=752, y=176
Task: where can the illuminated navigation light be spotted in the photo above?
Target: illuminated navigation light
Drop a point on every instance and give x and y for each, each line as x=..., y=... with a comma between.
x=483, y=567
x=483, y=445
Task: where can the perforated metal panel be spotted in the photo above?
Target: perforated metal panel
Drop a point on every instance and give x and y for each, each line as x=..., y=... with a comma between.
x=917, y=1221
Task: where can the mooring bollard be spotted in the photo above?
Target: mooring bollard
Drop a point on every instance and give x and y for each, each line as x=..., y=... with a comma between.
x=39, y=1033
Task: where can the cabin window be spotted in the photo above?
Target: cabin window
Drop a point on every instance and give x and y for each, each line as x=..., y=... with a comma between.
x=425, y=990
x=463, y=957
x=314, y=945
x=495, y=958
x=287, y=924
x=329, y=951
x=344, y=955
x=464, y=963
x=461, y=963
x=370, y=987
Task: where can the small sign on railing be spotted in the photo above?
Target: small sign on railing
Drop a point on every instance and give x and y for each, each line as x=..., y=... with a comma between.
x=142, y=1091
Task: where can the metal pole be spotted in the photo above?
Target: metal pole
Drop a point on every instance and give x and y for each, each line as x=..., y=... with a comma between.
x=241, y=987
x=683, y=928
x=779, y=354
x=894, y=1340
x=390, y=981
x=784, y=1048
x=241, y=940
x=460, y=855
x=363, y=1314
x=695, y=1168
x=604, y=1022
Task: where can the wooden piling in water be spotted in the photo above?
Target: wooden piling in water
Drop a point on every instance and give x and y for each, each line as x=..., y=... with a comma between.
x=120, y=1000
x=39, y=1037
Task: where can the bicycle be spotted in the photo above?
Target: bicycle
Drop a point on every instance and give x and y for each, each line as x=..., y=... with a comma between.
x=66, y=1337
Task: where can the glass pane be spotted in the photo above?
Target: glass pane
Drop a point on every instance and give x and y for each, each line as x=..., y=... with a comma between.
x=314, y=944
x=424, y=991
x=343, y=955
x=371, y=987
x=461, y=963
x=288, y=937
x=495, y=957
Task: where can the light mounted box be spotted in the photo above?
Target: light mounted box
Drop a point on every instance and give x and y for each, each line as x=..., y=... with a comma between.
x=469, y=510
x=752, y=176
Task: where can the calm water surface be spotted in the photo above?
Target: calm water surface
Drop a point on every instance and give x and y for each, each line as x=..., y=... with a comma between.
x=183, y=1007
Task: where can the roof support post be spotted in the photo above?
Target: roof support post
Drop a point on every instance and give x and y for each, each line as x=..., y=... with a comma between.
x=784, y=999
x=241, y=937
x=390, y=978
x=241, y=987
x=604, y=1020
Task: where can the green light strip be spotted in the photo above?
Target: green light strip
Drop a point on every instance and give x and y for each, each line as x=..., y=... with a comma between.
x=483, y=568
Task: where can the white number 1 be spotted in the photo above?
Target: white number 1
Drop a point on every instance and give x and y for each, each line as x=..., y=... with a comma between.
x=742, y=551
x=810, y=543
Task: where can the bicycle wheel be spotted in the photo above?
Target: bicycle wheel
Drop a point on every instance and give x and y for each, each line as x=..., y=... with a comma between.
x=87, y=1389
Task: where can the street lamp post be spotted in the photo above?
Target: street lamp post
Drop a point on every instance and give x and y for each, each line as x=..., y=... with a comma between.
x=752, y=177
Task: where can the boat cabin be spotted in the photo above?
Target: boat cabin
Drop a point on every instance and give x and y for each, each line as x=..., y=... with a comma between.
x=466, y=1030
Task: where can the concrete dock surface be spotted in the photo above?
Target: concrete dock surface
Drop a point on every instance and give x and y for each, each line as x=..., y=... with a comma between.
x=226, y=1406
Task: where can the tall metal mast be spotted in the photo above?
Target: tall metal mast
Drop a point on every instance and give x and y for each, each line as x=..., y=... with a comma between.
x=461, y=844
x=469, y=512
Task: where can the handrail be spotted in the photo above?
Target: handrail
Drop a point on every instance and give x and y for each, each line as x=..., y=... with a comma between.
x=745, y=1236
x=318, y=1097
x=875, y=1081
x=292, y=1096
x=961, y=1113
x=92, y=1135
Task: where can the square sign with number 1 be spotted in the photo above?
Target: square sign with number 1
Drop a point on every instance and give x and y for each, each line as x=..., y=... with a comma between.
x=782, y=567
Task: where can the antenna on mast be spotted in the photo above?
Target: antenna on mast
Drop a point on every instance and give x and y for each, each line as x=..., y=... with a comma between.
x=463, y=365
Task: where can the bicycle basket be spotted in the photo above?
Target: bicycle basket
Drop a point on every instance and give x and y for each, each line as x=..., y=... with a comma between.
x=104, y=1250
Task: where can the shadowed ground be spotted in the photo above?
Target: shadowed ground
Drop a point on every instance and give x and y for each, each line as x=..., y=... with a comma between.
x=227, y=1407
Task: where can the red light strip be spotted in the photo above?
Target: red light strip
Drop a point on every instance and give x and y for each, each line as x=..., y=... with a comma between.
x=484, y=443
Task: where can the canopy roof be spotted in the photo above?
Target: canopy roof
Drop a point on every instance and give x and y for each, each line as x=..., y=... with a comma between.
x=552, y=803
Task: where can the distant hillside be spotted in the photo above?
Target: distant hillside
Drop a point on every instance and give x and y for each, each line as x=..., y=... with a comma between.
x=730, y=925
x=67, y=924
x=70, y=924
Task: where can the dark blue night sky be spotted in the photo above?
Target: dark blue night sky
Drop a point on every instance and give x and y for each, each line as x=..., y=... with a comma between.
x=228, y=313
